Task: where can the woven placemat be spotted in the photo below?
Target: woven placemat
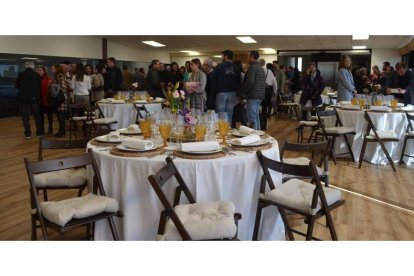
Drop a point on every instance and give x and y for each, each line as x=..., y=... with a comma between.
x=103, y=144
x=251, y=148
x=199, y=156
x=150, y=153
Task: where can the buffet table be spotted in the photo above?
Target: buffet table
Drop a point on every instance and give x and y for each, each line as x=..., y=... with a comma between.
x=231, y=177
x=125, y=114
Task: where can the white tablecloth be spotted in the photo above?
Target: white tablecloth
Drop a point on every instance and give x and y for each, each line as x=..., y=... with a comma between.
x=394, y=121
x=233, y=177
x=125, y=114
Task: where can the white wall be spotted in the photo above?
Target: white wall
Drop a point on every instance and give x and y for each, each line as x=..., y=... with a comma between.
x=123, y=52
x=380, y=55
x=63, y=46
x=181, y=60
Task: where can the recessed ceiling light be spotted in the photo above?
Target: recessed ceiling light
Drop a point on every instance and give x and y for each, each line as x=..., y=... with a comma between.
x=360, y=37
x=268, y=50
x=246, y=39
x=153, y=43
x=33, y=58
x=190, y=52
x=218, y=56
x=359, y=47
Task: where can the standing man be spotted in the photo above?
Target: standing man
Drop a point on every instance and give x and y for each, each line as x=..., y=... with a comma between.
x=139, y=78
x=253, y=89
x=153, y=80
x=404, y=81
x=270, y=90
x=227, y=78
x=28, y=83
x=114, y=77
x=126, y=78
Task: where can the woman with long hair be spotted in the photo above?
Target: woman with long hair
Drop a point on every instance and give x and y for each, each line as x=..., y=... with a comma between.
x=346, y=86
x=81, y=84
x=97, y=84
x=44, y=98
x=61, y=106
x=198, y=97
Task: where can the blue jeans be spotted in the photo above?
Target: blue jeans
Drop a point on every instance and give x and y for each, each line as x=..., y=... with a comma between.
x=225, y=102
x=253, y=106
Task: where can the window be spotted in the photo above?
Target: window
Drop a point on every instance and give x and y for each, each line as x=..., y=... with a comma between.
x=300, y=64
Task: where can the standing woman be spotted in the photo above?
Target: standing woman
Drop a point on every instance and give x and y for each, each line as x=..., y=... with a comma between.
x=60, y=105
x=198, y=97
x=81, y=84
x=97, y=83
x=312, y=87
x=346, y=86
x=44, y=98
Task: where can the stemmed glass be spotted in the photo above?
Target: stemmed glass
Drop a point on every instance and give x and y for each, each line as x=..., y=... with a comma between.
x=177, y=128
x=200, y=128
x=224, y=126
x=165, y=124
x=211, y=124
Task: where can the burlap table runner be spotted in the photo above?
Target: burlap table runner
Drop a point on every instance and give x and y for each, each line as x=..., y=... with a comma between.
x=199, y=156
x=103, y=144
x=150, y=153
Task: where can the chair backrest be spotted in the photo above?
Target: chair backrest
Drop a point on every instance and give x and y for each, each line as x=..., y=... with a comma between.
x=139, y=108
x=76, y=110
x=306, y=171
x=370, y=126
x=321, y=114
x=410, y=117
x=58, y=144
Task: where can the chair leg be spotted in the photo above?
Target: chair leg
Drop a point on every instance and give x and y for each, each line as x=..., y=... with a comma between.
x=257, y=220
x=45, y=197
x=403, y=151
x=361, y=156
x=387, y=155
x=286, y=223
x=331, y=150
x=349, y=147
x=311, y=223
x=330, y=223
x=162, y=224
x=113, y=229
x=311, y=135
x=81, y=191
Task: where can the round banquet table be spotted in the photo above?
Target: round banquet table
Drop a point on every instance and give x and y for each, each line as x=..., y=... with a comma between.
x=125, y=114
x=395, y=121
x=232, y=177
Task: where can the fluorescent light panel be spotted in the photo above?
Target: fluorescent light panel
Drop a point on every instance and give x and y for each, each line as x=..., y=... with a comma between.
x=246, y=39
x=217, y=56
x=360, y=37
x=153, y=43
x=359, y=47
x=33, y=58
x=190, y=52
x=268, y=50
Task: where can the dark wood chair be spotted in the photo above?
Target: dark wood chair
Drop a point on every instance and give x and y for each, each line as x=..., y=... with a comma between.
x=193, y=221
x=287, y=106
x=377, y=136
x=66, y=214
x=140, y=108
x=305, y=123
x=334, y=132
x=322, y=150
x=297, y=196
x=77, y=115
x=96, y=119
x=408, y=135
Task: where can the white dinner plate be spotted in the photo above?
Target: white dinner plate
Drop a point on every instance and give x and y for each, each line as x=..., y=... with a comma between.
x=103, y=138
x=122, y=147
x=258, y=143
x=203, y=152
x=125, y=131
x=239, y=134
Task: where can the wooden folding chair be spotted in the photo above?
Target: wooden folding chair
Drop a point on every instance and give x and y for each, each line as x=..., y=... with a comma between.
x=77, y=114
x=304, y=123
x=194, y=221
x=322, y=148
x=337, y=131
x=140, y=108
x=297, y=196
x=97, y=121
x=288, y=106
x=66, y=214
x=377, y=136
x=409, y=134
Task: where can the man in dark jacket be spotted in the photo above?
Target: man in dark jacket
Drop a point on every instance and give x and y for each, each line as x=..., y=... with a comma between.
x=403, y=81
x=312, y=88
x=114, y=77
x=253, y=89
x=153, y=80
x=28, y=83
x=227, y=78
x=210, y=86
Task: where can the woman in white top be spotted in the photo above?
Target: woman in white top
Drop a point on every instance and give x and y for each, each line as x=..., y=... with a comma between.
x=198, y=97
x=81, y=84
x=346, y=87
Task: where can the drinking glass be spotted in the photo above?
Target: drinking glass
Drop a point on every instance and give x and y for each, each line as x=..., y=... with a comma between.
x=200, y=128
x=177, y=128
x=224, y=126
x=211, y=124
x=354, y=101
x=394, y=103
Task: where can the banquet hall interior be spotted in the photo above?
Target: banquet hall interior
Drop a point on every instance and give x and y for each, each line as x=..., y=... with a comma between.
x=363, y=133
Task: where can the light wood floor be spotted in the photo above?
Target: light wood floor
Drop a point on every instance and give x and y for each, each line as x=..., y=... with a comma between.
x=379, y=203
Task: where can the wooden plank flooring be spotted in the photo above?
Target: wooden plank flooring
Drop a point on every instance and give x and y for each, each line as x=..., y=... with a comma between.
x=379, y=203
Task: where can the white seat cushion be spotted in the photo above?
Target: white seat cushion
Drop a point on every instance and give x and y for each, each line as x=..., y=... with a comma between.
x=383, y=134
x=61, y=212
x=77, y=118
x=103, y=121
x=315, y=118
x=411, y=133
x=339, y=130
x=297, y=194
x=63, y=178
x=308, y=123
x=299, y=161
x=203, y=221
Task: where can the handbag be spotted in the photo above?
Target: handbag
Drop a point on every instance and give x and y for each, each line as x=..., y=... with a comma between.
x=54, y=90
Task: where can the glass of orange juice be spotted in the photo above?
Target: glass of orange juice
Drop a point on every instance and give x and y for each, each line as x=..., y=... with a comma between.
x=354, y=101
x=165, y=130
x=362, y=102
x=394, y=103
x=224, y=126
x=145, y=127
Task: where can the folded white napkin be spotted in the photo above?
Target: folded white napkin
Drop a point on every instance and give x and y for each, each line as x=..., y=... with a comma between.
x=246, y=130
x=409, y=107
x=380, y=108
x=252, y=138
x=133, y=128
x=158, y=99
x=113, y=136
x=117, y=101
x=140, y=101
x=140, y=144
x=200, y=146
x=344, y=102
x=350, y=106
